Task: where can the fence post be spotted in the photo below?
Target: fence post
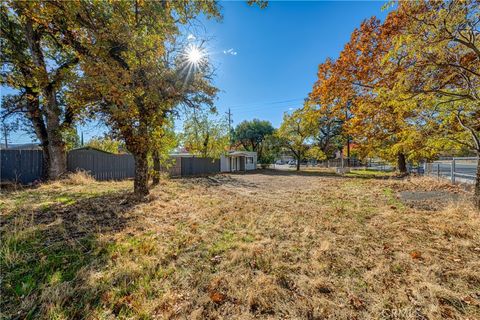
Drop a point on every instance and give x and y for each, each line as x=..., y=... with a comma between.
x=453, y=170
x=438, y=170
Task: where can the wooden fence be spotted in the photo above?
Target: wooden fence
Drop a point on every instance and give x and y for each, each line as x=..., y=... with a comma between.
x=22, y=166
x=197, y=166
x=101, y=165
x=26, y=166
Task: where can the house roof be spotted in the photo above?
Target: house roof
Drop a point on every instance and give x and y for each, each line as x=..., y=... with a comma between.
x=242, y=153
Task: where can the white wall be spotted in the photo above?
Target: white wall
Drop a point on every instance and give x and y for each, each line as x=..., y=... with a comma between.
x=224, y=163
x=251, y=166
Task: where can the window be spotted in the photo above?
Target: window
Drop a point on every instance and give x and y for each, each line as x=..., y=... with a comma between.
x=249, y=160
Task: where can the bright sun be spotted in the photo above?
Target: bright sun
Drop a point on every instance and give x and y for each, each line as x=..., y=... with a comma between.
x=194, y=55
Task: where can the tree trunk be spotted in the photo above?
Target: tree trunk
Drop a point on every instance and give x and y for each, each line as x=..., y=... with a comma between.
x=402, y=164
x=56, y=146
x=46, y=162
x=298, y=163
x=140, y=184
x=39, y=127
x=156, y=168
x=348, y=151
x=477, y=184
x=52, y=112
x=57, y=158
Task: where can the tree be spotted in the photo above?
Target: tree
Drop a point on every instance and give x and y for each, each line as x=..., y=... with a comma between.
x=164, y=140
x=71, y=139
x=39, y=67
x=327, y=128
x=357, y=90
x=250, y=134
x=129, y=75
x=316, y=153
x=443, y=82
x=130, y=78
x=294, y=133
x=204, y=136
x=269, y=149
x=105, y=143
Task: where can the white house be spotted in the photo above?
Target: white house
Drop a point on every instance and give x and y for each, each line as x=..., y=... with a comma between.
x=238, y=161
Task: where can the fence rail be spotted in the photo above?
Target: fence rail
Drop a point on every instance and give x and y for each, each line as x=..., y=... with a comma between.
x=456, y=170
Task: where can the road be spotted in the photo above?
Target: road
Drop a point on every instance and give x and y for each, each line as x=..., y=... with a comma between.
x=444, y=169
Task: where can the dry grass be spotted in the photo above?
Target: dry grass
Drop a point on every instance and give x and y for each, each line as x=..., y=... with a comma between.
x=266, y=245
x=78, y=178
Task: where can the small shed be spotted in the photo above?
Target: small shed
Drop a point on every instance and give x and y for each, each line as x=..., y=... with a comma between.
x=235, y=161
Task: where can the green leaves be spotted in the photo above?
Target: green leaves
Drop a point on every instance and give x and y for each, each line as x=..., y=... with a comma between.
x=250, y=134
x=205, y=136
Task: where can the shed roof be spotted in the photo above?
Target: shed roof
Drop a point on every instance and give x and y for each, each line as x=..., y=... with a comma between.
x=242, y=153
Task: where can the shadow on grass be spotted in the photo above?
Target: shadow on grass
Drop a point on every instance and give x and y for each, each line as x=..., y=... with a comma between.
x=43, y=252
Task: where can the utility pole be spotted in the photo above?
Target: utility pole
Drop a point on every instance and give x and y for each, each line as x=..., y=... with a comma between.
x=5, y=135
x=82, y=139
x=229, y=113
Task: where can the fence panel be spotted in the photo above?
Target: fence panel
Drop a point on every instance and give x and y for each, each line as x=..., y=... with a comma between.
x=197, y=166
x=102, y=165
x=456, y=169
x=23, y=166
x=336, y=163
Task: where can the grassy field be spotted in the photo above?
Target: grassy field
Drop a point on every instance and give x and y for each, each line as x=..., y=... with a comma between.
x=272, y=244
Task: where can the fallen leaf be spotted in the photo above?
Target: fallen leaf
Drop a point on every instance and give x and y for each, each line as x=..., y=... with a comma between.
x=415, y=255
x=217, y=297
x=471, y=301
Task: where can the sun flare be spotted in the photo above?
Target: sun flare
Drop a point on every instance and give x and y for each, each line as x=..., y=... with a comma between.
x=195, y=55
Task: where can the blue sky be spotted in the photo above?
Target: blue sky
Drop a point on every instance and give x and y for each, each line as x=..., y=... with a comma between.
x=274, y=54
x=278, y=51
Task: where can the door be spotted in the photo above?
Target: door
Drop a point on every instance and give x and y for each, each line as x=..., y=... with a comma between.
x=242, y=163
